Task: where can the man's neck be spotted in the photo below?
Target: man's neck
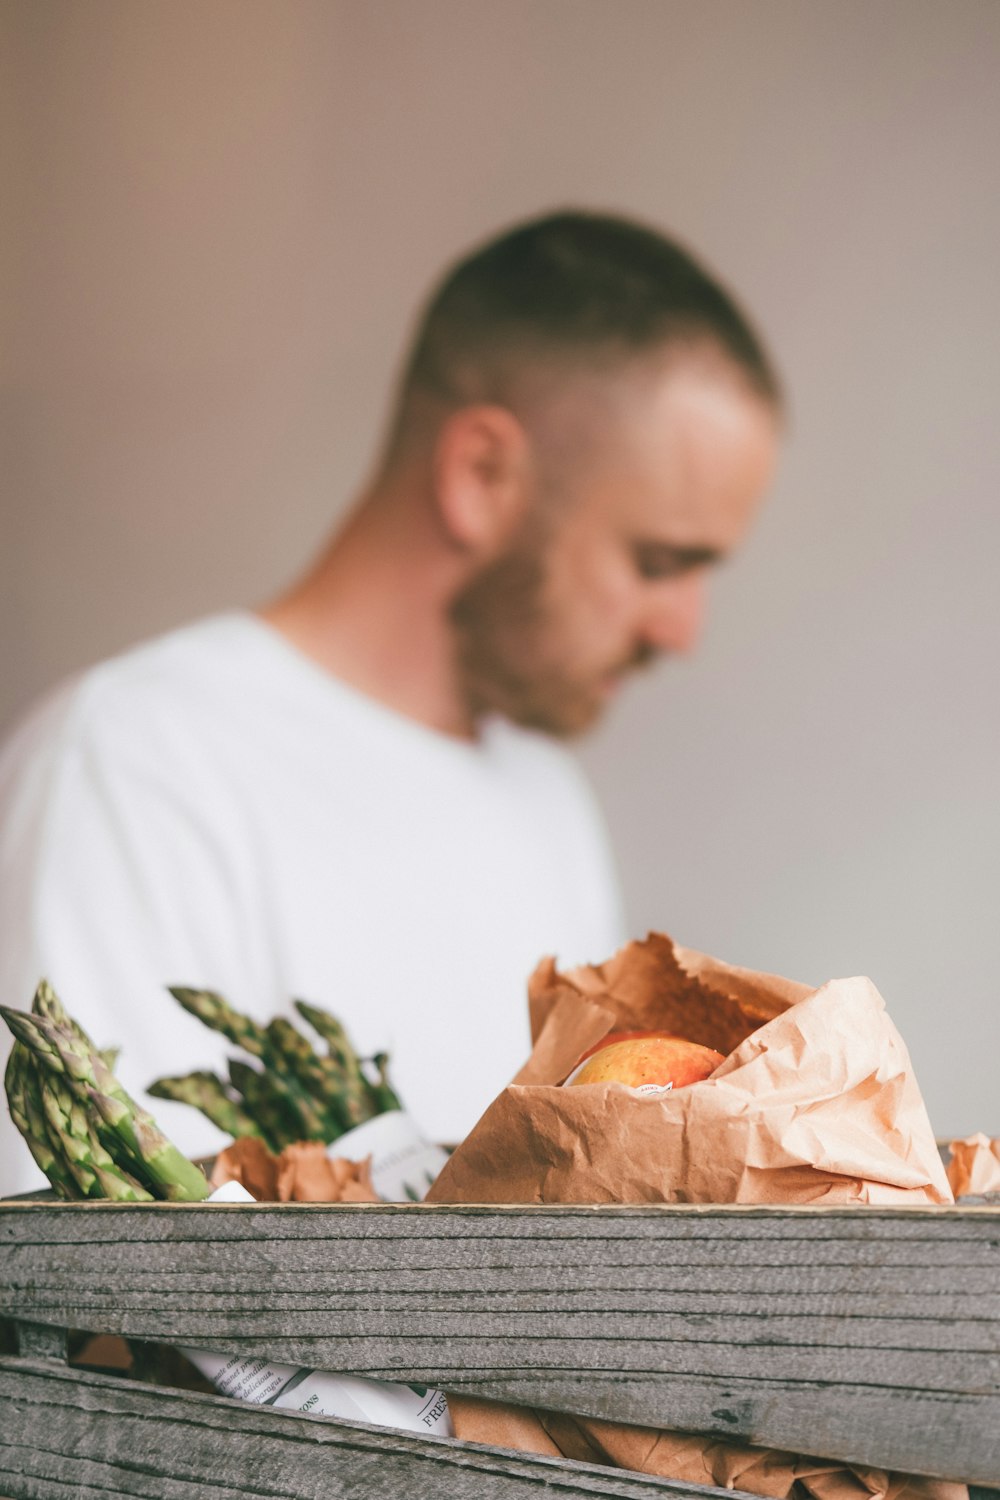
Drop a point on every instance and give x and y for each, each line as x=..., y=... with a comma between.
x=373, y=613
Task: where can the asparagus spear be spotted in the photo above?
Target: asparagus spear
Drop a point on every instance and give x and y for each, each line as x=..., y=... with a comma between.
x=58, y=1048
x=357, y=1104
x=271, y=1045
x=31, y=1123
x=13, y=1084
x=58, y=1171
x=73, y=1158
x=94, y=1170
x=60, y=1134
x=66, y=1055
x=332, y=1032
x=49, y=1007
x=47, y=1004
x=207, y=1092
x=283, y=1112
x=384, y=1094
x=379, y=1096
x=301, y=1094
x=271, y=1115
x=288, y=1049
x=316, y=1078
x=215, y=1012
x=176, y=1178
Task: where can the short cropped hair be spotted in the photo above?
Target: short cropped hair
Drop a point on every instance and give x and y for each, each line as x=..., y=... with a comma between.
x=583, y=287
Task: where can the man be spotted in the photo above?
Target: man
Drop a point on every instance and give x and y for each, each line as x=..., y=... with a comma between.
x=356, y=795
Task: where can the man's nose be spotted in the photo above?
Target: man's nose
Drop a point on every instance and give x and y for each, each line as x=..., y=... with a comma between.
x=673, y=619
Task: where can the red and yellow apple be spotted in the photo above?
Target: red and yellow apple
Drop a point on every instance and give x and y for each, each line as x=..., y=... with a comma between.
x=648, y=1061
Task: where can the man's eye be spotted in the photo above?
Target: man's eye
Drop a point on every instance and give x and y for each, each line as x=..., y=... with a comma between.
x=655, y=560
x=660, y=563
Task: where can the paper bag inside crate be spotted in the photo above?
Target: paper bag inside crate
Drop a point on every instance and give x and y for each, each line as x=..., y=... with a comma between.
x=682, y=1456
x=974, y=1167
x=815, y=1101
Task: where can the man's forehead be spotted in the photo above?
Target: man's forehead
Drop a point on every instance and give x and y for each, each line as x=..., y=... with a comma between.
x=686, y=462
x=600, y=412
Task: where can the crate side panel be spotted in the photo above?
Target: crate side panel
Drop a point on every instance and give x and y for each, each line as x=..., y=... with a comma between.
x=74, y=1434
x=712, y=1320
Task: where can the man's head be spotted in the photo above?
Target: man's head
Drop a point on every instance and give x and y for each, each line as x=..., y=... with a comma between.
x=596, y=421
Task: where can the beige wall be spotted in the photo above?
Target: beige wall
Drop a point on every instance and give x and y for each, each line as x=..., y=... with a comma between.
x=227, y=210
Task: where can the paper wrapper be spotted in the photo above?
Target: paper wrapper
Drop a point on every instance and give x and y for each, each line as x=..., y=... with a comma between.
x=974, y=1167
x=815, y=1102
x=303, y=1173
x=699, y=1460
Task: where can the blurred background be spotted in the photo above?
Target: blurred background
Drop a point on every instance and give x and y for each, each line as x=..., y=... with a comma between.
x=227, y=214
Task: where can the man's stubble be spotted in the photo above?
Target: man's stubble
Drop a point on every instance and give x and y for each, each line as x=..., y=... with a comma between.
x=508, y=654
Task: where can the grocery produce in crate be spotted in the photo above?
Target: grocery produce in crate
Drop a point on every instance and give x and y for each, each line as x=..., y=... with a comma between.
x=650, y=1062
x=93, y=1141
x=707, y=1084
x=86, y=1134
x=296, y=1091
x=291, y=1091
x=807, y=1095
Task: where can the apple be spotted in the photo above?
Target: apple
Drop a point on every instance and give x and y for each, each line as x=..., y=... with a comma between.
x=648, y=1061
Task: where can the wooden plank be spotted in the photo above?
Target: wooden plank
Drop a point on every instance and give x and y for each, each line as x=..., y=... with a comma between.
x=71, y=1434
x=871, y=1335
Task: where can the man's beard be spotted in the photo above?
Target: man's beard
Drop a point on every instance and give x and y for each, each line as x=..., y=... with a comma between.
x=504, y=635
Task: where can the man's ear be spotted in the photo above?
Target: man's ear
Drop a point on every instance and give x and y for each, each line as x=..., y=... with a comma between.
x=482, y=473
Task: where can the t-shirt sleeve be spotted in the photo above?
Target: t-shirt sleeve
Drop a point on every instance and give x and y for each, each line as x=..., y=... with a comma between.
x=117, y=877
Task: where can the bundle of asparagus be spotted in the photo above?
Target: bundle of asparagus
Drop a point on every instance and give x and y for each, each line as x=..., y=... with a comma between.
x=86, y=1134
x=297, y=1093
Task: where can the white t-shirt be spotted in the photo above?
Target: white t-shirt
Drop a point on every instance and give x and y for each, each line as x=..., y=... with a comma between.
x=212, y=809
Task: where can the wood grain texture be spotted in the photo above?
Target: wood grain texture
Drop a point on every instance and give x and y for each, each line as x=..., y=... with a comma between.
x=865, y=1334
x=69, y=1434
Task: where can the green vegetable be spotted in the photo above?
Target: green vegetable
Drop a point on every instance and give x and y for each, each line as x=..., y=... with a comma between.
x=85, y=1132
x=207, y=1092
x=295, y=1092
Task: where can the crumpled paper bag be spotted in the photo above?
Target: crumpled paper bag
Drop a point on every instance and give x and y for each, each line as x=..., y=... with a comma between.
x=303, y=1173
x=698, y=1460
x=974, y=1167
x=815, y=1102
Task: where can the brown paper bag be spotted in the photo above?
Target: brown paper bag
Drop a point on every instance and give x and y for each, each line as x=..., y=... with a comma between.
x=698, y=1460
x=303, y=1173
x=974, y=1167
x=815, y=1103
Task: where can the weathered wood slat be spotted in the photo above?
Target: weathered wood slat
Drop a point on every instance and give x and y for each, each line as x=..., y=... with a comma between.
x=870, y=1335
x=903, y=1336
x=70, y=1434
x=607, y=1222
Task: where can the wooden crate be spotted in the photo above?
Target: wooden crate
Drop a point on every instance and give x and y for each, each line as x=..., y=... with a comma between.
x=868, y=1334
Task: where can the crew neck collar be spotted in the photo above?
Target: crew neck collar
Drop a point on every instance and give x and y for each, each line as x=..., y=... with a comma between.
x=321, y=681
